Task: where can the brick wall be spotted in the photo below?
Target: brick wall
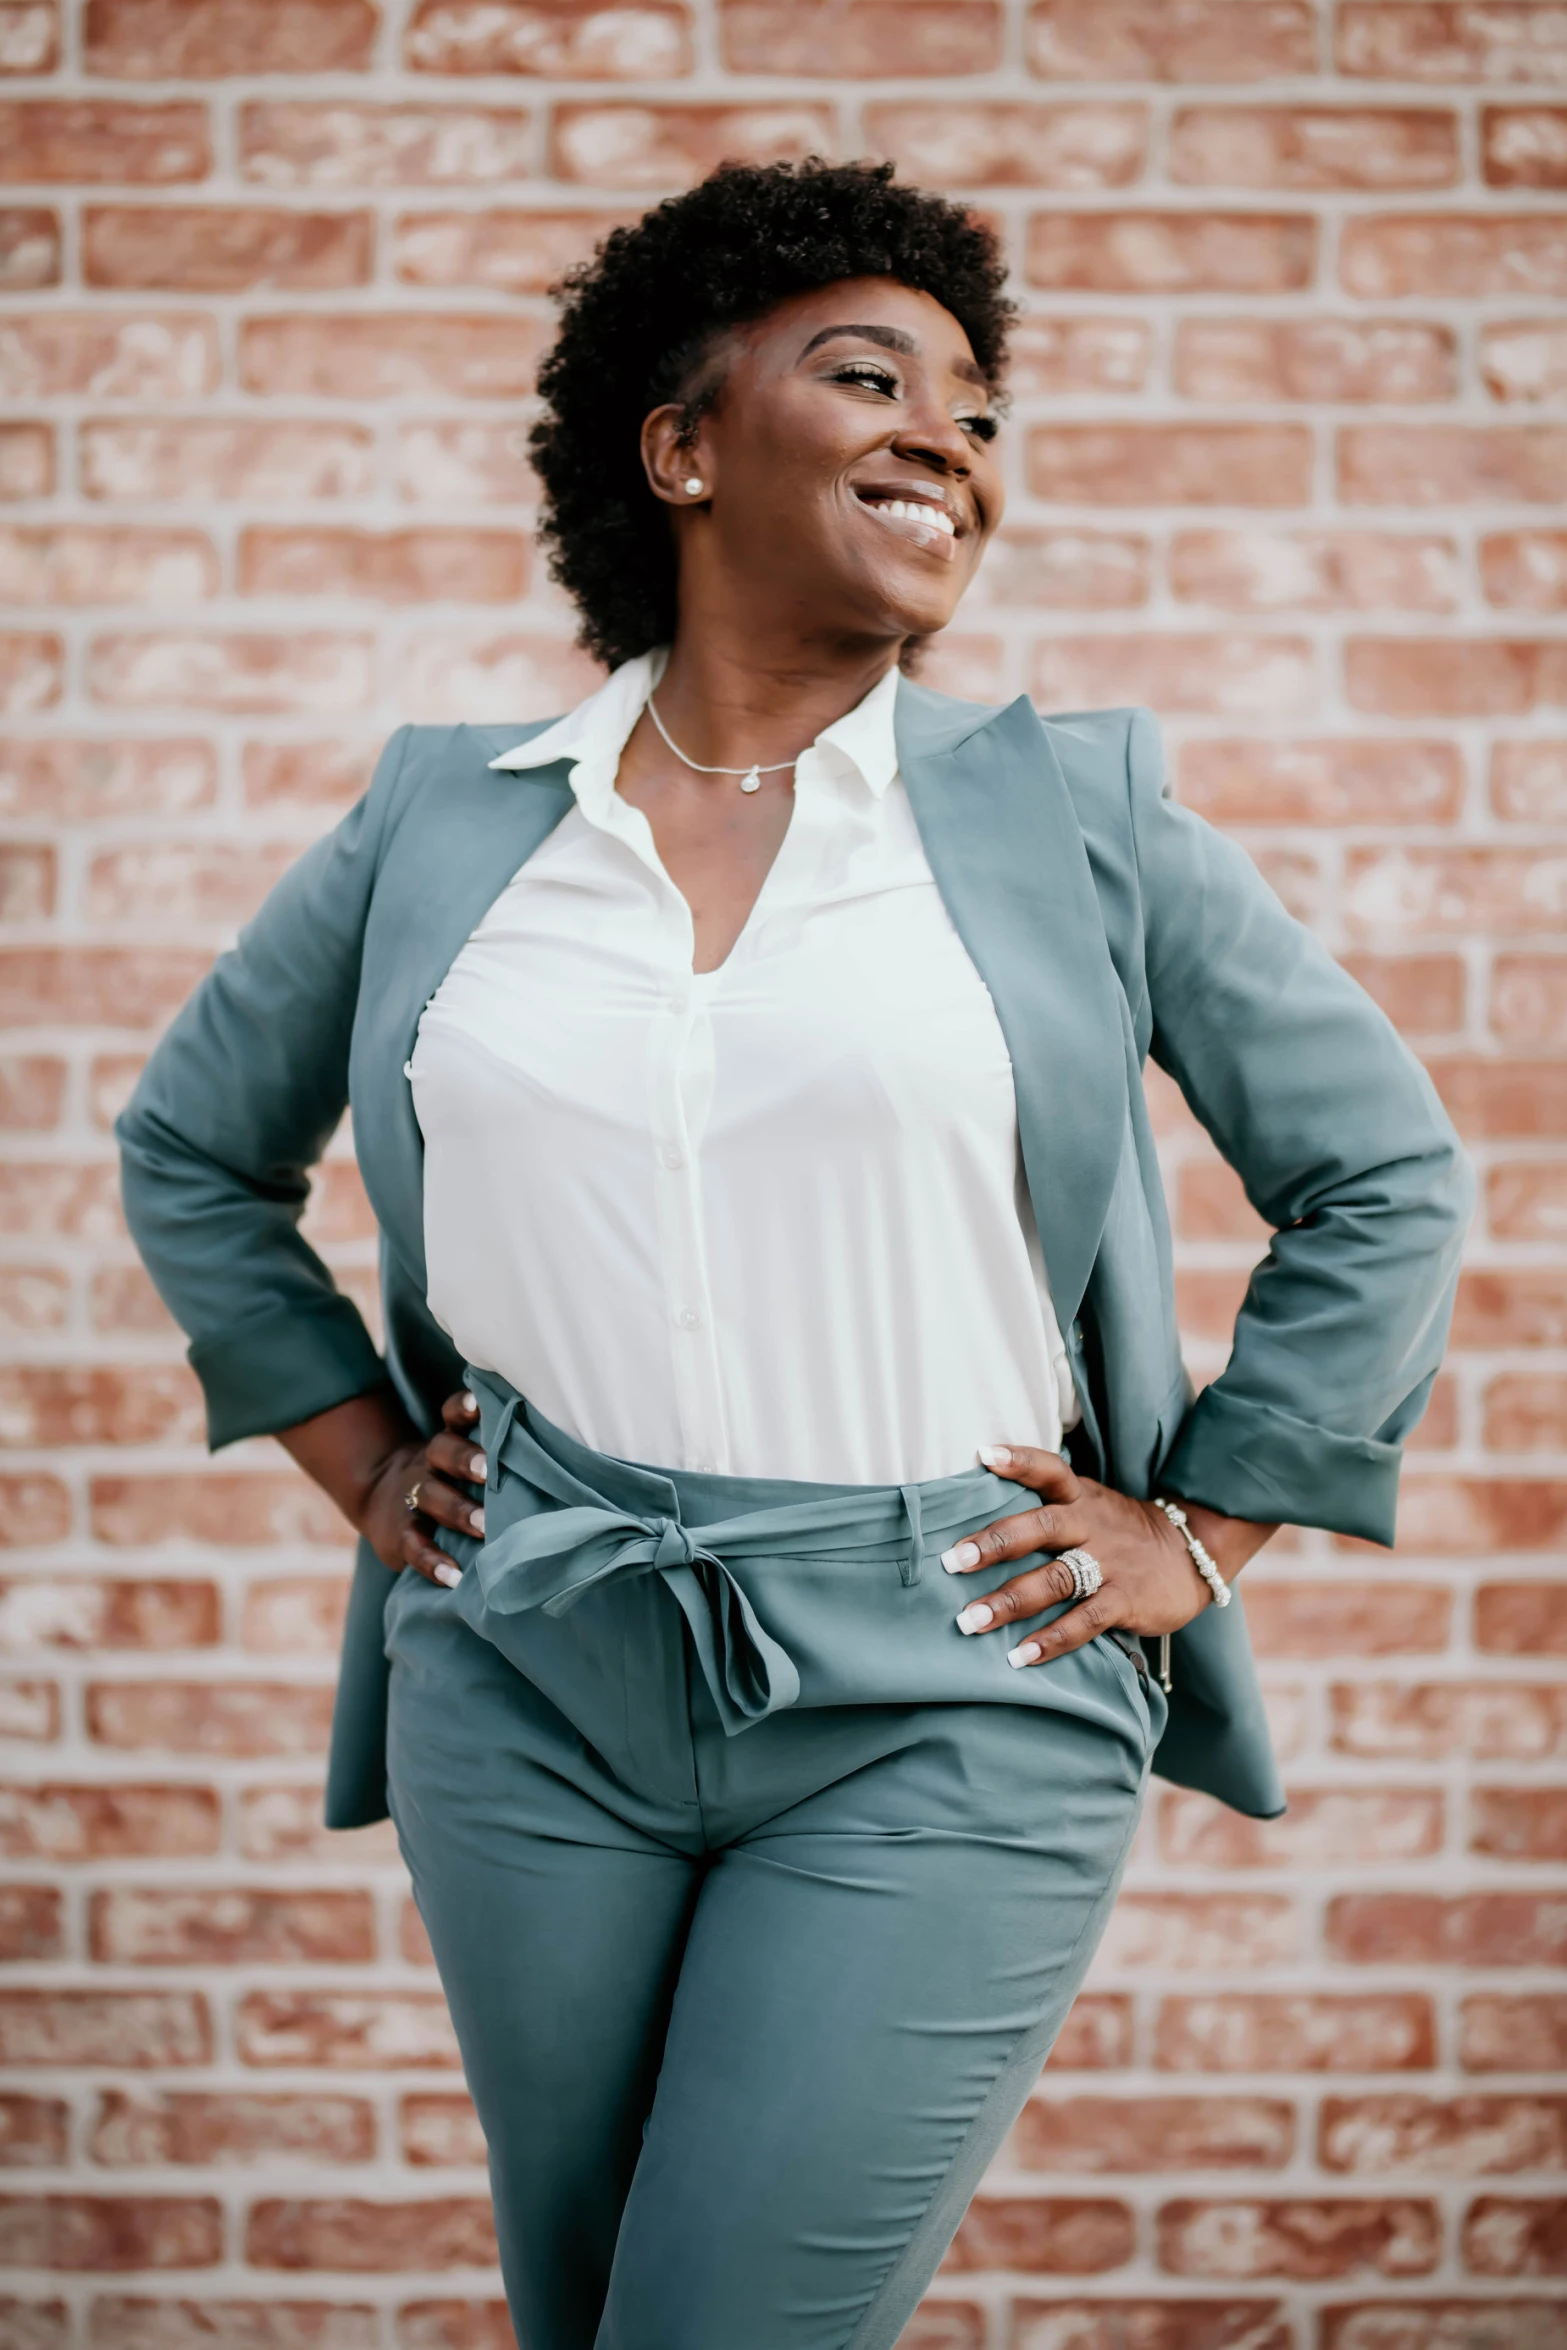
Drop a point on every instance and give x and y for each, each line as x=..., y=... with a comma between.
x=1287, y=461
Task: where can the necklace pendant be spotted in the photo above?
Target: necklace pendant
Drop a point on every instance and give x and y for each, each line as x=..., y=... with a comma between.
x=751, y=780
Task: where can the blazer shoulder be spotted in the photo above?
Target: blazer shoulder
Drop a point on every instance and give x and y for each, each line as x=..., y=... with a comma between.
x=1108, y=756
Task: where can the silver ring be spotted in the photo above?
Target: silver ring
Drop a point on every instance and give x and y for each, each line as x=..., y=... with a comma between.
x=1086, y=1573
x=411, y=1498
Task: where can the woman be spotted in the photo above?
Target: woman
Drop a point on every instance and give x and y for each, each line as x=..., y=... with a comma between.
x=745, y=1072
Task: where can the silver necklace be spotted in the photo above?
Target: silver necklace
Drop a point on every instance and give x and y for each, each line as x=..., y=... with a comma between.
x=750, y=777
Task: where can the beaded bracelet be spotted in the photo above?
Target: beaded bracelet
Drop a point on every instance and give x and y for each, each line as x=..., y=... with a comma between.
x=1202, y=1559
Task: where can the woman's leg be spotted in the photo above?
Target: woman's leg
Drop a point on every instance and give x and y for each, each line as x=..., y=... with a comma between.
x=557, y=1924
x=871, y=1982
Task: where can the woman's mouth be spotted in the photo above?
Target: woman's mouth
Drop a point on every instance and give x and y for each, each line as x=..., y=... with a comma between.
x=921, y=521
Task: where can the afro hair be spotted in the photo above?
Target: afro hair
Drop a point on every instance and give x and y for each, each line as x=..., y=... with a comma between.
x=640, y=318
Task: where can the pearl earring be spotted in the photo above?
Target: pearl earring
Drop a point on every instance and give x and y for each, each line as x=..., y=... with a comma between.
x=693, y=487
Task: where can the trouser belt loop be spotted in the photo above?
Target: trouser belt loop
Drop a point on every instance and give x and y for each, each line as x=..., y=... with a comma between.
x=909, y=1567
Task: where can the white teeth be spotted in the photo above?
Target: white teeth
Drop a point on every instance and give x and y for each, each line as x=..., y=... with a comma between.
x=916, y=510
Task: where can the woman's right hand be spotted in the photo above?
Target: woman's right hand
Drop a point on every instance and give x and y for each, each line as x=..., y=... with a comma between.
x=442, y=1474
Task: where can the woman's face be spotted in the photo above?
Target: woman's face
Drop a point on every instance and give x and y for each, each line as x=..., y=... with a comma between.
x=848, y=481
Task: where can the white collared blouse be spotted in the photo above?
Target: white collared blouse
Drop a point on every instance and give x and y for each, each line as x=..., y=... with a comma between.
x=770, y=1219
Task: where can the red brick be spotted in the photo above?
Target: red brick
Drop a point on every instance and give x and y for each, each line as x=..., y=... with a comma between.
x=1314, y=147
x=1429, y=893
x=391, y=354
x=1315, y=359
x=1465, y=1516
x=160, y=1925
x=567, y=40
x=1297, y=2032
x=77, y=563
x=32, y=1924
x=394, y=567
x=661, y=147
x=201, y=40
x=209, y=1717
x=32, y=1298
x=1222, y=676
x=1521, y=1619
x=1440, y=1721
x=32, y=672
x=1036, y=2235
x=29, y=248
x=33, y=2132
x=1452, y=464
x=1448, y=253
x=1442, y=2137
x=1528, y=1004
x=295, y=1615
x=106, y=1823
x=346, y=2031
x=29, y=1710
x=32, y=1085
x=999, y=145
x=377, y=2238
x=1519, y=1823
x=1326, y=781
x=326, y=775
x=26, y=461
x=1431, y=1929
x=212, y=458
x=86, y=1611
x=142, y=2323
x=1489, y=1099
x=506, y=252
x=195, y=888
x=129, y=2030
x=1211, y=1205
x=1148, y=2325
x=1524, y=146
x=1525, y=359
x=1442, y=2325
x=124, y=355
x=413, y=1942
x=1068, y=570
x=1481, y=677
x=1186, y=1932
x=855, y=37
x=236, y=1509
x=1335, y=1620
x=1324, y=1826
x=1513, y=2032
x=296, y=143
x=1171, y=464
x=1172, y=252
x=1312, y=571
x=484, y=2325
x=439, y=2132
x=1526, y=1412
x=1526, y=1202
x=1451, y=41
x=1089, y=2134
x=282, y=1824
x=1527, y=1307
x=76, y=780
x=204, y=2128
x=122, y=1301
x=1208, y=1300
x=455, y=674
x=148, y=1405
x=1525, y=570
x=236, y=675
x=29, y=43
x=94, y=141
x=222, y=249
x=465, y=465
x=1147, y=40
x=95, y=2233
x=1507, y=2236
x=1053, y=357
x=1097, y=2034
x=1302, y=2238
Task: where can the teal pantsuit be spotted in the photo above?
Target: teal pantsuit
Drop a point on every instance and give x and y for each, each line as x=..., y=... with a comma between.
x=700, y=1763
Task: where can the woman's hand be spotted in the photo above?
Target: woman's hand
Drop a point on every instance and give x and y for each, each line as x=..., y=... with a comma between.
x=1150, y=1582
x=369, y=1457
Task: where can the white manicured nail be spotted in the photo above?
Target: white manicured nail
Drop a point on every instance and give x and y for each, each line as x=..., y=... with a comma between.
x=1024, y=1654
x=450, y=1576
x=976, y=1616
x=470, y=1402
x=476, y=1520
x=995, y=1456
x=965, y=1554
x=478, y=1468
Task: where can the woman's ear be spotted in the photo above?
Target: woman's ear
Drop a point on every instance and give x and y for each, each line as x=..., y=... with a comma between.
x=678, y=467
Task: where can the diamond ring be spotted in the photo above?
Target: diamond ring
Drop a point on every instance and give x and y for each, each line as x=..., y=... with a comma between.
x=1086, y=1573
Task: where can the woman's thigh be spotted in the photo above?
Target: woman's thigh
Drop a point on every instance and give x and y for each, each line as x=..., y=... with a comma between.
x=869, y=1986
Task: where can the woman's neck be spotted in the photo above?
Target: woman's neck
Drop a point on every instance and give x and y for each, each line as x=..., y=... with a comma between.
x=727, y=708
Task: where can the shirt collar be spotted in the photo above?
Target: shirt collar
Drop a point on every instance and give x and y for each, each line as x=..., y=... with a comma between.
x=597, y=731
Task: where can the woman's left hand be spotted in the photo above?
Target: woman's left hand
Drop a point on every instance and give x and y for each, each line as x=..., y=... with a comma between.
x=1150, y=1583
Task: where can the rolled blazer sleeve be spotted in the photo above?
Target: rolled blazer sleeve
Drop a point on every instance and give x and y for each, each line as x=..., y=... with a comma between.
x=235, y=1106
x=1342, y=1144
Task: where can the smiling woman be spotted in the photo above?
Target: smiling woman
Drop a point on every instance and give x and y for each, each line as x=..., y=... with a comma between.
x=745, y=1069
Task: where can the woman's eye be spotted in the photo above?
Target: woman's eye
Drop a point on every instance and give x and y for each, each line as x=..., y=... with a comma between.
x=984, y=428
x=864, y=371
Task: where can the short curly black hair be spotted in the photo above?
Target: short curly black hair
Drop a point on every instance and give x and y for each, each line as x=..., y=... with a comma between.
x=640, y=317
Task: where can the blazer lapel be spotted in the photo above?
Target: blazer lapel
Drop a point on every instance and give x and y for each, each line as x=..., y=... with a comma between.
x=445, y=866
x=1007, y=852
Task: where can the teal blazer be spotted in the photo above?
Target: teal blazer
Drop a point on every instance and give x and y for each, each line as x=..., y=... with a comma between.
x=1108, y=924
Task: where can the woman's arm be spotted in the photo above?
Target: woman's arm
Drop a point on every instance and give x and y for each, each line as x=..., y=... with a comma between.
x=369, y=1458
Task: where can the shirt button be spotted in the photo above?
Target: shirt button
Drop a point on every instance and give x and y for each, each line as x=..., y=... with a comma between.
x=690, y=1319
x=672, y=1155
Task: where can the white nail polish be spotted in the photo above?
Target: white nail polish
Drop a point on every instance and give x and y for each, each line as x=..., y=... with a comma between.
x=476, y=1521
x=976, y=1616
x=963, y=1554
x=449, y=1576
x=470, y=1402
x=1024, y=1653
x=995, y=1456
x=478, y=1468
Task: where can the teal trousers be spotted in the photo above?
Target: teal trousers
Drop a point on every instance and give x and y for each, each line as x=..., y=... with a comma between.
x=749, y=1980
